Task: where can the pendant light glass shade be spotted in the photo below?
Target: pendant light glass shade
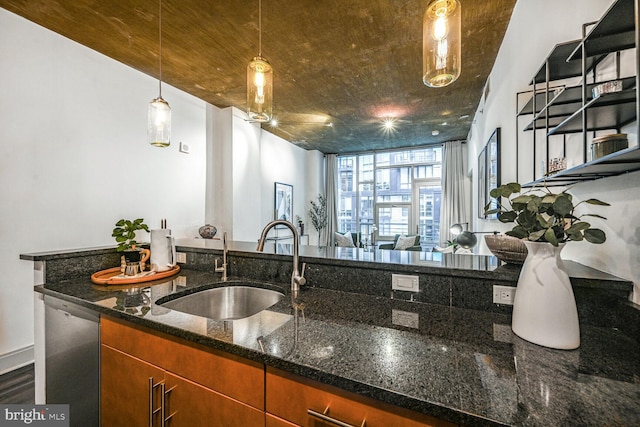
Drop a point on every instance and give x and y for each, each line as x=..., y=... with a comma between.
x=259, y=89
x=259, y=82
x=159, y=123
x=441, y=43
x=159, y=117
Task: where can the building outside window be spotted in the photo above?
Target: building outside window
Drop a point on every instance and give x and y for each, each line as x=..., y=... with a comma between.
x=382, y=194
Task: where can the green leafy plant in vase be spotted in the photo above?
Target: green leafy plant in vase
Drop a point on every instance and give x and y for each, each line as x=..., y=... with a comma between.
x=544, y=308
x=543, y=216
x=125, y=235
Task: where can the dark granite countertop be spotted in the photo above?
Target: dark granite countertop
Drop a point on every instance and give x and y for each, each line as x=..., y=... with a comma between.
x=460, y=365
x=472, y=266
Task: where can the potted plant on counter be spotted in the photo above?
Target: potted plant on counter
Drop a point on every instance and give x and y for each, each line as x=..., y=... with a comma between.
x=125, y=235
x=544, y=309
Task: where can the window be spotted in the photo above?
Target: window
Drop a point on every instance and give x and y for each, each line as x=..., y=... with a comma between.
x=395, y=192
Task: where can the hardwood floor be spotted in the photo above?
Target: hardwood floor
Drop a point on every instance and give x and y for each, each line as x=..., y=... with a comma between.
x=17, y=386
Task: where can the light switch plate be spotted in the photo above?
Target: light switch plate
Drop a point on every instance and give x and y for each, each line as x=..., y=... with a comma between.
x=504, y=294
x=401, y=282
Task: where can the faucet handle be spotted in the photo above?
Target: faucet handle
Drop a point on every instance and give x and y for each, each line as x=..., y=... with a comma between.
x=304, y=267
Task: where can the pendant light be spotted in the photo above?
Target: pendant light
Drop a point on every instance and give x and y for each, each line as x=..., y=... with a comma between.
x=441, y=43
x=159, y=119
x=259, y=82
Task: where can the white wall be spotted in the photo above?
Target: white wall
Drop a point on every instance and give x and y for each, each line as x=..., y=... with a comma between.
x=535, y=27
x=74, y=158
x=246, y=162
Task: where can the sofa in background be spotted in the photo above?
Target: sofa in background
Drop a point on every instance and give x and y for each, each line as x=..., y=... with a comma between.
x=415, y=247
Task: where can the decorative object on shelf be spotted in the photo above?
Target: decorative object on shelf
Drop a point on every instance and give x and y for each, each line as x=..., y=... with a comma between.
x=607, y=87
x=557, y=164
x=207, y=231
x=159, y=119
x=318, y=214
x=506, y=248
x=488, y=173
x=133, y=259
x=441, y=43
x=259, y=81
x=607, y=144
x=464, y=238
x=300, y=224
x=544, y=309
x=283, y=202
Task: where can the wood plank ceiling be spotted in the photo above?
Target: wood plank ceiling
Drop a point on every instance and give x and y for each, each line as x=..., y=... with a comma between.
x=350, y=63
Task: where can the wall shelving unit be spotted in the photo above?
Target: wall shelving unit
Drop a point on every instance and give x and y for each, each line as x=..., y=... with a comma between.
x=561, y=109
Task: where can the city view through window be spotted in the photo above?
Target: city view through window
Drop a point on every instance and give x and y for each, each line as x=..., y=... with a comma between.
x=382, y=194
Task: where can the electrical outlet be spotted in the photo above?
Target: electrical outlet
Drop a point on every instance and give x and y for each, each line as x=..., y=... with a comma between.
x=181, y=257
x=504, y=294
x=401, y=282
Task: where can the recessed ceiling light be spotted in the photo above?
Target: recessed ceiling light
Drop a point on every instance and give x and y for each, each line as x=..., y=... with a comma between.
x=435, y=132
x=389, y=123
x=274, y=123
x=464, y=116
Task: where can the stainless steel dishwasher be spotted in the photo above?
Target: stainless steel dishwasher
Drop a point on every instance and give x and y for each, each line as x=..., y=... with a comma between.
x=72, y=346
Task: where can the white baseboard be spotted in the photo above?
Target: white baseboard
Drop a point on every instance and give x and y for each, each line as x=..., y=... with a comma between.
x=16, y=359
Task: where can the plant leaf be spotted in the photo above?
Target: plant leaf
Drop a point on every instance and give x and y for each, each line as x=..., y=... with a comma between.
x=550, y=236
x=535, y=236
x=595, y=235
x=517, y=232
x=595, y=216
x=508, y=216
x=597, y=202
x=578, y=227
x=514, y=187
x=563, y=205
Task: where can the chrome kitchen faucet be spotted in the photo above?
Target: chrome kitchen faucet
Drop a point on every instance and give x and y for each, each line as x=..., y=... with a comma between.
x=297, y=277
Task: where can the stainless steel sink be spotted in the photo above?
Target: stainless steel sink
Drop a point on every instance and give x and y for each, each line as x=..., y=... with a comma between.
x=228, y=303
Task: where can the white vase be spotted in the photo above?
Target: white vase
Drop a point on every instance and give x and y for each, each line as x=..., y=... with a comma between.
x=544, y=309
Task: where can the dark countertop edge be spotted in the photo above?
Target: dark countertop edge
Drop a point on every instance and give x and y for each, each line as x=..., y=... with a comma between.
x=67, y=253
x=386, y=396
x=581, y=275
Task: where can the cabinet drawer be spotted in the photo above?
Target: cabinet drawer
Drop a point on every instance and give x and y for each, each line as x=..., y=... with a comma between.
x=273, y=421
x=233, y=376
x=190, y=404
x=290, y=396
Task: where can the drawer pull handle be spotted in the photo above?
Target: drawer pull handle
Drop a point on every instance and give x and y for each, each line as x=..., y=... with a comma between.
x=324, y=416
x=153, y=411
x=165, y=404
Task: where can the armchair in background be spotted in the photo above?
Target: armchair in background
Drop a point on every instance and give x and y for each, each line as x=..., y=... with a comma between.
x=405, y=243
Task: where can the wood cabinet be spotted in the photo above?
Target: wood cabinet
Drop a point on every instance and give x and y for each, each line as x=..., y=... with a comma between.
x=295, y=399
x=146, y=377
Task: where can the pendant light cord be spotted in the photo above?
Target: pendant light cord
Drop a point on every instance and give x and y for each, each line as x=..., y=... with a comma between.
x=260, y=28
x=160, y=37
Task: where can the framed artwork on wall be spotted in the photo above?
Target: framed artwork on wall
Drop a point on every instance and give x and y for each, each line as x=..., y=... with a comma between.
x=488, y=173
x=283, y=202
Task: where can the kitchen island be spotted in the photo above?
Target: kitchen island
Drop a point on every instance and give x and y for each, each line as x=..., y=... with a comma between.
x=451, y=362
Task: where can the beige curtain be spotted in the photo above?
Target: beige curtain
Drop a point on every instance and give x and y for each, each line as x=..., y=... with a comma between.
x=456, y=195
x=332, y=202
